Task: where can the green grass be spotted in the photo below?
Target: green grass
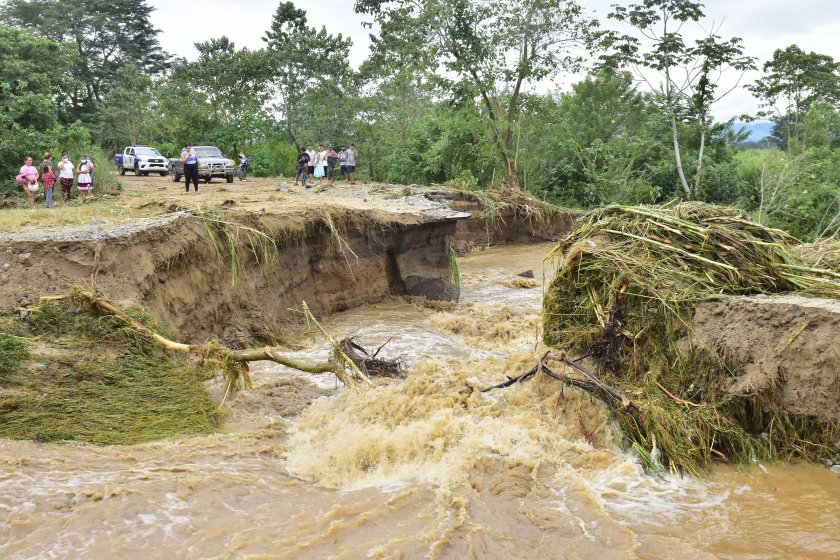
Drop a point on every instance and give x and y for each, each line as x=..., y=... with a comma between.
x=13, y=351
x=100, y=384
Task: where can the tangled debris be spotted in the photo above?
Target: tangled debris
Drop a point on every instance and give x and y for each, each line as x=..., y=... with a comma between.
x=623, y=296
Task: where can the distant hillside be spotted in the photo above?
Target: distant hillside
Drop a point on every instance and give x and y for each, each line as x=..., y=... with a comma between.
x=758, y=130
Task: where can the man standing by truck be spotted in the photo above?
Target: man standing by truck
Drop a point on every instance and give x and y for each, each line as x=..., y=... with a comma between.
x=190, y=161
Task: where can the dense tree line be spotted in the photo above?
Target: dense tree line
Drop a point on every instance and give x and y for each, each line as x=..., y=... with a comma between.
x=446, y=95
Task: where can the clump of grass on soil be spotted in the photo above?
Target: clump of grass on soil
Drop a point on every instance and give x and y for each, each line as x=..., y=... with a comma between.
x=627, y=285
x=14, y=349
x=100, y=383
x=501, y=201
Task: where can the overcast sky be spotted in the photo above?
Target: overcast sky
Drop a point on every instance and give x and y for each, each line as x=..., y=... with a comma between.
x=764, y=25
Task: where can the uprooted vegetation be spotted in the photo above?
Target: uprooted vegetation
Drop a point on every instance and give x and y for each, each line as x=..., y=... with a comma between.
x=502, y=203
x=84, y=377
x=624, y=295
x=111, y=375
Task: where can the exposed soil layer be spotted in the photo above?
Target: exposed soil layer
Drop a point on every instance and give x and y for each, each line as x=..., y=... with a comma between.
x=785, y=349
x=334, y=261
x=338, y=246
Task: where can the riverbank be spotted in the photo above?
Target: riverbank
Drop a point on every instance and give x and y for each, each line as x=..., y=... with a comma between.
x=232, y=261
x=410, y=469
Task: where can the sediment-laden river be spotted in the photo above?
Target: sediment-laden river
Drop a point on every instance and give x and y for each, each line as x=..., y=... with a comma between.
x=425, y=467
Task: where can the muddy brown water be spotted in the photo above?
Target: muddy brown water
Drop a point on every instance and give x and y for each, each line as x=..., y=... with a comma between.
x=420, y=468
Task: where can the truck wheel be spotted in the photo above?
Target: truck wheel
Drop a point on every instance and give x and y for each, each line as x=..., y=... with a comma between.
x=229, y=177
x=176, y=177
x=163, y=173
x=207, y=179
x=144, y=173
x=121, y=170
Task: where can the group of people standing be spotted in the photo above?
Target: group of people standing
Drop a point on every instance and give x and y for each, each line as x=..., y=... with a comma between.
x=323, y=163
x=29, y=175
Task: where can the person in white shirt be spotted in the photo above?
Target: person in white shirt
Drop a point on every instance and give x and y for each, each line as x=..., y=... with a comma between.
x=352, y=154
x=321, y=164
x=342, y=163
x=313, y=155
x=85, y=180
x=65, y=176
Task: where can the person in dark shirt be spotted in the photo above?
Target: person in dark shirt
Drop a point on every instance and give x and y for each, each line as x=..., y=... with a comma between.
x=302, y=168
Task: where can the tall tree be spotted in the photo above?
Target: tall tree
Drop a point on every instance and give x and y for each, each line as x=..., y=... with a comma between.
x=124, y=115
x=106, y=35
x=488, y=50
x=797, y=79
x=27, y=93
x=232, y=86
x=712, y=57
x=307, y=64
x=659, y=22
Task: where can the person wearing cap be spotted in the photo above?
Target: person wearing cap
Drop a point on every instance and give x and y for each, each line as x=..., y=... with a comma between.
x=190, y=159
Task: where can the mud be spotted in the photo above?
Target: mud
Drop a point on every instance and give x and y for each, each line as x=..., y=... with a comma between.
x=421, y=468
x=784, y=347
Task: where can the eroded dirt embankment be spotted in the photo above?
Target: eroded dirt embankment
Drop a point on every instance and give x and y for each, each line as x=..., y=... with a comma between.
x=182, y=269
x=335, y=249
x=785, y=349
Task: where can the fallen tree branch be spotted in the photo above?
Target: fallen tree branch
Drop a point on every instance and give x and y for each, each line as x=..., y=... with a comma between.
x=216, y=352
x=592, y=384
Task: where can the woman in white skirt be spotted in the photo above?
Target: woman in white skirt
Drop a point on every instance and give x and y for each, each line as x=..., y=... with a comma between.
x=321, y=164
x=85, y=181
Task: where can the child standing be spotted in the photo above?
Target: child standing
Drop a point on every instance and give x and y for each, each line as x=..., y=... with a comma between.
x=28, y=177
x=48, y=178
x=65, y=176
x=85, y=180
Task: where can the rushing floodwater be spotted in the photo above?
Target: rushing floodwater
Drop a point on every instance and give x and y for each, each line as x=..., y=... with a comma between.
x=424, y=467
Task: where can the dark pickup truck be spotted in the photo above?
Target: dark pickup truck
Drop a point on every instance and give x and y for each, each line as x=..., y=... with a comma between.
x=211, y=163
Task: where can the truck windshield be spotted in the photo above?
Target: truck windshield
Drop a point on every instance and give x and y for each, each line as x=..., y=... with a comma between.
x=146, y=152
x=209, y=151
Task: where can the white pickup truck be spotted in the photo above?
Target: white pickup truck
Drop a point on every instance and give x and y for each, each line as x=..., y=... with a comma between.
x=142, y=160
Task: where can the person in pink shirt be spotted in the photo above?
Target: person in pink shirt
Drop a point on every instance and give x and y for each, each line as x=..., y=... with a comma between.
x=28, y=177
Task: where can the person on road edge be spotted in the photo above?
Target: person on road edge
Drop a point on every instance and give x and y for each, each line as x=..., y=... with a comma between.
x=28, y=179
x=65, y=177
x=332, y=159
x=320, y=164
x=48, y=178
x=302, y=168
x=342, y=163
x=352, y=154
x=85, y=180
x=190, y=160
x=313, y=155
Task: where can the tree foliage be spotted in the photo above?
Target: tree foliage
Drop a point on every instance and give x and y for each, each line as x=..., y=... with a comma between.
x=309, y=67
x=796, y=79
x=105, y=35
x=487, y=50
